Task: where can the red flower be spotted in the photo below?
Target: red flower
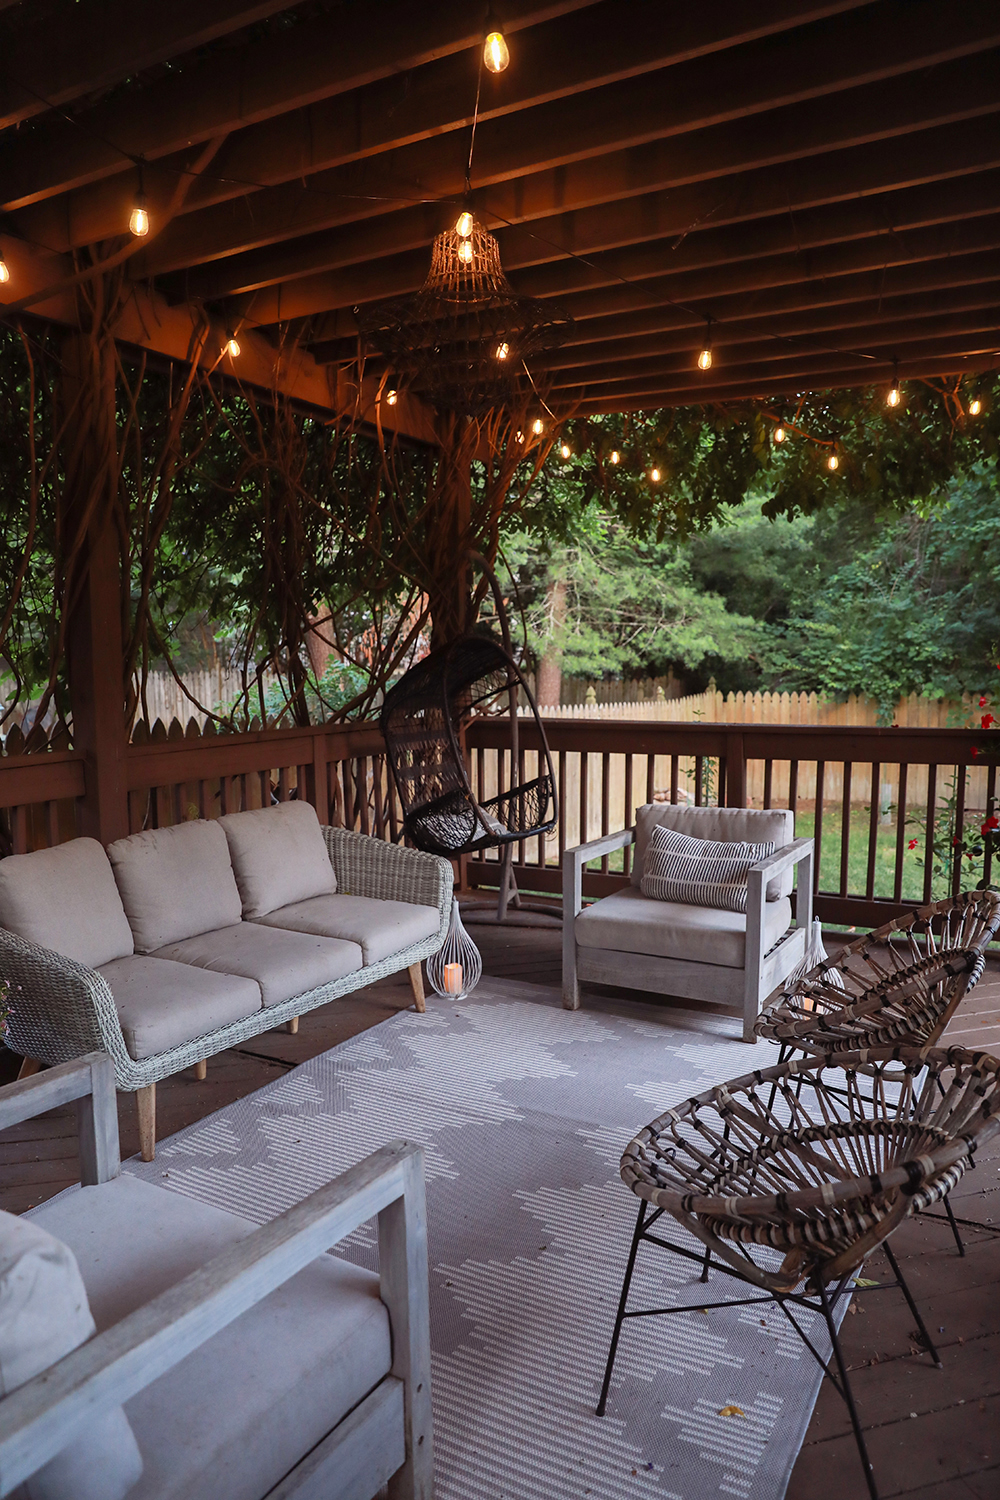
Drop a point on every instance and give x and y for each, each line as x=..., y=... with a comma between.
x=912, y=844
x=982, y=703
x=987, y=720
x=955, y=843
x=975, y=751
x=990, y=824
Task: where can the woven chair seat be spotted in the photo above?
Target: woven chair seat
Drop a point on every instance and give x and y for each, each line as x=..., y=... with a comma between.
x=818, y=1157
x=901, y=983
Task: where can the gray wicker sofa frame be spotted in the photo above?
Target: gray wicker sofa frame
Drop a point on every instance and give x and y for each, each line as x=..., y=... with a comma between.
x=63, y=1010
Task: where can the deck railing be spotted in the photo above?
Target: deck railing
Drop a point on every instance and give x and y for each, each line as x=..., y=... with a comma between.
x=865, y=794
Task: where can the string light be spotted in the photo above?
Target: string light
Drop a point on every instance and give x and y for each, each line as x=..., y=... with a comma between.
x=615, y=456
x=519, y=437
x=566, y=450
x=975, y=405
x=232, y=345
x=779, y=434
x=391, y=397
x=893, y=398
x=538, y=427
x=464, y=224
x=496, y=54
x=833, y=462
x=4, y=270
x=654, y=475
x=139, y=218
x=465, y=252
x=705, y=357
x=502, y=351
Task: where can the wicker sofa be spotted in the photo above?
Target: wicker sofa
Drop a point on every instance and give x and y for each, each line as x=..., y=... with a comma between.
x=179, y=942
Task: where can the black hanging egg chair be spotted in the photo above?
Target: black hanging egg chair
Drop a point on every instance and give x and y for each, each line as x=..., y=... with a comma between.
x=424, y=720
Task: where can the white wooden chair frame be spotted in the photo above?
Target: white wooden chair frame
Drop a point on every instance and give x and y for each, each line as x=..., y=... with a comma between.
x=387, y=1438
x=716, y=983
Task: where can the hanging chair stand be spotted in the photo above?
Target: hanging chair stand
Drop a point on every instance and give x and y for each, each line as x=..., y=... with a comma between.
x=424, y=721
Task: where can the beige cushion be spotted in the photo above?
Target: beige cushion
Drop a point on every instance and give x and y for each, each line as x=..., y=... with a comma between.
x=279, y=855
x=232, y=1418
x=65, y=899
x=175, y=882
x=629, y=922
x=752, y=825
x=381, y=927
x=162, y=1004
x=283, y=963
x=44, y=1315
x=698, y=872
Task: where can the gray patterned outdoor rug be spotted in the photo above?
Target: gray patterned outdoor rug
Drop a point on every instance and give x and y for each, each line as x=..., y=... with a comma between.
x=523, y=1109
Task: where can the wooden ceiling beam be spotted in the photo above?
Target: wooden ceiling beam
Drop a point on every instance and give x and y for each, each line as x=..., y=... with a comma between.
x=66, y=55
x=325, y=55
x=510, y=147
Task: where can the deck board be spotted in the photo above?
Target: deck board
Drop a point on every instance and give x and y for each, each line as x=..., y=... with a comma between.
x=949, y=1451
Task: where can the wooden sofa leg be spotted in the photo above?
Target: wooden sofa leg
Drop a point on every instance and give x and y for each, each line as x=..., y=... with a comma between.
x=417, y=985
x=29, y=1067
x=293, y=1026
x=145, y=1101
x=201, y=1070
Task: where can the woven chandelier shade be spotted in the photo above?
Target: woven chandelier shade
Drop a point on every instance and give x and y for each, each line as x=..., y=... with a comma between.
x=464, y=339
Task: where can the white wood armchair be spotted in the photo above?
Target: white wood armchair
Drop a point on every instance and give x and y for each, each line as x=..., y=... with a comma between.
x=260, y=1366
x=722, y=957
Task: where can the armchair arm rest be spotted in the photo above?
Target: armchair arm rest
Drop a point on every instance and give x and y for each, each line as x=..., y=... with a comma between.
x=783, y=858
x=37, y=1419
x=60, y=1009
x=606, y=844
x=367, y=866
x=90, y=1081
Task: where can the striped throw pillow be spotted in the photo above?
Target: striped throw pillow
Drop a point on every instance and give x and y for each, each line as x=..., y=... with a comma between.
x=699, y=872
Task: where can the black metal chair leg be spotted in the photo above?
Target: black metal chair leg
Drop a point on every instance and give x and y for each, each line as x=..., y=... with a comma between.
x=954, y=1226
x=705, y=1265
x=901, y=1283
x=847, y=1393
x=623, y=1299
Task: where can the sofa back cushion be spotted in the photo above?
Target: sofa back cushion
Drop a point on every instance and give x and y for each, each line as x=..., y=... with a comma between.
x=175, y=883
x=729, y=825
x=44, y=1315
x=66, y=899
x=279, y=855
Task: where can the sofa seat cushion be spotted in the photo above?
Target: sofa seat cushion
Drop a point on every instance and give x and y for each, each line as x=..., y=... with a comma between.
x=283, y=963
x=232, y=1418
x=65, y=898
x=629, y=922
x=175, y=882
x=735, y=825
x=161, y=1004
x=279, y=855
x=382, y=928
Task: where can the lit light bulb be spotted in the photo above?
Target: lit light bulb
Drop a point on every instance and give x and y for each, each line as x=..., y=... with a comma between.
x=779, y=434
x=975, y=405
x=705, y=359
x=465, y=252
x=833, y=462
x=654, y=475
x=232, y=346
x=4, y=270
x=566, y=450
x=615, y=456
x=464, y=224
x=538, y=427
x=496, y=54
x=502, y=351
x=139, y=220
x=391, y=397
x=519, y=437
x=893, y=396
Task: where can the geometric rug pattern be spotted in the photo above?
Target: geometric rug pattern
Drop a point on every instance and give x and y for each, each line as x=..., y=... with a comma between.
x=523, y=1110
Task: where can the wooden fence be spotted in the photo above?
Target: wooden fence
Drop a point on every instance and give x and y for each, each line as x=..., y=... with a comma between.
x=866, y=869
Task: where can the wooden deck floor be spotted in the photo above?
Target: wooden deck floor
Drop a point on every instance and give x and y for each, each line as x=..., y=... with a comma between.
x=933, y=1434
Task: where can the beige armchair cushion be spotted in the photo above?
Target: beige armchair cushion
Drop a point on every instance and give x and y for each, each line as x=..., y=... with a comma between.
x=44, y=1315
x=629, y=922
x=750, y=825
x=232, y=1418
x=175, y=882
x=279, y=855
x=66, y=899
x=283, y=963
x=162, y=1004
x=382, y=928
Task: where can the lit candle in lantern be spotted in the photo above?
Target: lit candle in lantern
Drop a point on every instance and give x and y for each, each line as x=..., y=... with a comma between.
x=453, y=979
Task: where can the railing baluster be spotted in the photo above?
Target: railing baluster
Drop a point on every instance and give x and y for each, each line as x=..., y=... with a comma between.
x=897, y=879
x=818, y=815
x=675, y=771
x=768, y=769
x=699, y=765
x=961, y=777
x=605, y=804
x=584, y=797
x=628, y=814
x=651, y=777
x=929, y=833
x=19, y=829
x=793, y=785
x=845, y=828
x=562, y=805
x=991, y=787
x=875, y=811
x=52, y=822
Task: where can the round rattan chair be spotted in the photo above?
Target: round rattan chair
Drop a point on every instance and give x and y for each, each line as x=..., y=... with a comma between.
x=791, y=1175
x=901, y=983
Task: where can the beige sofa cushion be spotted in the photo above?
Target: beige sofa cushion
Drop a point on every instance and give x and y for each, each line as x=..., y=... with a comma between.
x=381, y=927
x=66, y=899
x=283, y=963
x=629, y=922
x=232, y=1418
x=162, y=1004
x=44, y=1315
x=175, y=882
x=731, y=825
x=279, y=855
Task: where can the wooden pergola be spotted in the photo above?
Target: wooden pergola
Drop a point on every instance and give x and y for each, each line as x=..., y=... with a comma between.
x=820, y=178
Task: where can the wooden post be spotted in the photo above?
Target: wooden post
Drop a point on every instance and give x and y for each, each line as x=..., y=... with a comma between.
x=736, y=771
x=94, y=641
